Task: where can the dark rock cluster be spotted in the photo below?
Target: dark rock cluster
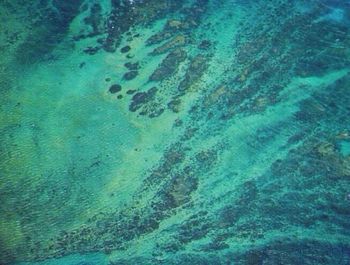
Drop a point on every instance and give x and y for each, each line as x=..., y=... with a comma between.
x=196, y=69
x=115, y=88
x=169, y=65
x=130, y=75
x=141, y=98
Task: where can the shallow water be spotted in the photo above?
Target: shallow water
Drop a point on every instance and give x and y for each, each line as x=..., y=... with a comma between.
x=175, y=132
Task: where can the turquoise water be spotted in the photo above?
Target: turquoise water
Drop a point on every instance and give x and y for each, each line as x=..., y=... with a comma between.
x=175, y=132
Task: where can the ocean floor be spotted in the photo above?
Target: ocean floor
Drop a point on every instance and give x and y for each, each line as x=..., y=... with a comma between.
x=175, y=132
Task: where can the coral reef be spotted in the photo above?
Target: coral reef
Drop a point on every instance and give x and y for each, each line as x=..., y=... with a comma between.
x=175, y=132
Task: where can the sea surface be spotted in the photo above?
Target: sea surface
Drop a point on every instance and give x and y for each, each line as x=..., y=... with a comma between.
x=194, y=132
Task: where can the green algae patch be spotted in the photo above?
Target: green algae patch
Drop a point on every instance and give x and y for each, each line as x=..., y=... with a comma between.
x=12, y=240
x=345, y=148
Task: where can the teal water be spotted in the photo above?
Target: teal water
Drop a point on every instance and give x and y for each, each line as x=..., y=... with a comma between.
x=174, y=132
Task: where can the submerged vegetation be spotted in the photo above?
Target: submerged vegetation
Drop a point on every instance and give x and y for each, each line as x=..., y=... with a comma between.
x=175, y=132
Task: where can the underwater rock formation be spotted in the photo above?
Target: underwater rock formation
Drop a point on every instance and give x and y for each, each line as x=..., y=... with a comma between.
x=175, y=132
x=169, y=65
